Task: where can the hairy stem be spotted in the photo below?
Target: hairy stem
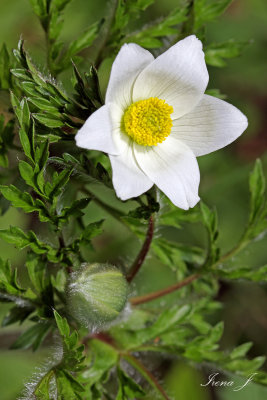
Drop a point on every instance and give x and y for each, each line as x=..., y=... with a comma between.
x=143, y=252
x=146, y=374
x=163, y=292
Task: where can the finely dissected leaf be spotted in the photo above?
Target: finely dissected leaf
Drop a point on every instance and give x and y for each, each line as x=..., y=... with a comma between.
x=84, y=40
x=215, y=54
x=92, y=230
x=18, y=198
x=75, y=209
x=58, y=183
x=128, y=388
x=32, y=337
x=258, y=274
x=21, y=240
x=104, y=356
x=42, y=390
x=17, y=314
x=148, y=35
x=208, y=10
x=166, y=321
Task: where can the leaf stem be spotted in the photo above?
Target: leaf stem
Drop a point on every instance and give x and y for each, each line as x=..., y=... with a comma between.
x=146, y=374
x=163, y=292
x=143, y=252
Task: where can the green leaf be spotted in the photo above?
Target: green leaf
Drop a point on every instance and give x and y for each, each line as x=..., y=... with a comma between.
x=257, y=190
x=37, y=272
x=17, y=314
x=210, y=221
x=215, y=54
x=44, y=104
x=208, y=10
x=26, y=144
x=241, y=350
x=48, y=120
x=74, y=210
x=16, y=236
x=252, y=274
x=42, y=389
x=32, y=337
x=62, y=325
x=58, y=5
x=92, y=230
x=65, y=387
x=165, y=322
x=128, y=388
x=27, y=173
x=104, y=356
x=18, y=198
x=58, y=183
x=147, y=36
x=84, y=40
x=39, y=7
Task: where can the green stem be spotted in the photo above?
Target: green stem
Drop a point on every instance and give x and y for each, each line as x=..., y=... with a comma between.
x=146, y=374
x=112, y=211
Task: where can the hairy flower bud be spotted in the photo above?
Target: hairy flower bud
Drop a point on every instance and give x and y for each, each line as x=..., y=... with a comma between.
x=97, y=294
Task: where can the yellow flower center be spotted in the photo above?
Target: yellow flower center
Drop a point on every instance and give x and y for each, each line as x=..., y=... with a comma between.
x=148, y=122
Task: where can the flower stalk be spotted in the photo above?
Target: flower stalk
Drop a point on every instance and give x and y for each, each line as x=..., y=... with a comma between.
x=143, y=252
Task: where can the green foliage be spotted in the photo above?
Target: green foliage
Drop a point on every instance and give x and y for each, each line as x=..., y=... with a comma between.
x=59, y=187
x=149, y=36
x=215, y=54
x=208, y=10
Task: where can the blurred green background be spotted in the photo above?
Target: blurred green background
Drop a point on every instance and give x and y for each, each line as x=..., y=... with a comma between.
x=224, y=184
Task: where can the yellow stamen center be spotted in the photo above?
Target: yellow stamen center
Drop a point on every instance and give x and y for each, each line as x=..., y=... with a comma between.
x=148, y=122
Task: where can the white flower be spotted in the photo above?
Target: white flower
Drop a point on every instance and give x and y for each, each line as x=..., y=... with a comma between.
x=157, y=120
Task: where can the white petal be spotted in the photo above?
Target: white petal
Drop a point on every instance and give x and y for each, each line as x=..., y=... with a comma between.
x=212, y=124
x=120, y=139
x=179, y=76
x=130, y=61
x=172, y=166
x=128, y=179
x=96, y=133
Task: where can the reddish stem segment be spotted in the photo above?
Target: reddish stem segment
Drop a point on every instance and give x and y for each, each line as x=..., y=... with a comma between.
x=163, y=292
x=143, y=252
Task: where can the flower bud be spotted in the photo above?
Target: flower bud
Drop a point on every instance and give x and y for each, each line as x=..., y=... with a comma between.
x=97, y=294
